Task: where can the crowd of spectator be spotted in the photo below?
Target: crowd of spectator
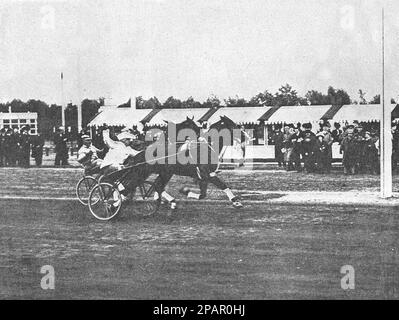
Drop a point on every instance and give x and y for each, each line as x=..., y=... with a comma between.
x=17, y=146
x=298, y=144
x=297, y=147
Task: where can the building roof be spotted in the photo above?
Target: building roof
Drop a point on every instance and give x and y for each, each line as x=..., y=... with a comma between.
x=18, y=115
x=360, y=112
x=119, y=117
x=208, y=114
x=302, y=114
x=176, y=115
x=239, y=115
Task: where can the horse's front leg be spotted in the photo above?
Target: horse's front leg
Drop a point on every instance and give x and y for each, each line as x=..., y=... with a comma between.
x=219, y=183
x=160, y=183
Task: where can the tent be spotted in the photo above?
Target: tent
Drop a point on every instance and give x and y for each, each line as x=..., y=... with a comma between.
x=239, y=115
x=176, y=115
x=119, y=117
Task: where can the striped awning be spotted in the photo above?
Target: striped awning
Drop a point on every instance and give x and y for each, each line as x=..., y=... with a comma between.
x=360, y=112
x=331, y=112
x=240, y=115
x=208, y=114
x=266, y=116
x=119, y=117
x=301, y=114
x=149, y=116
x=176, y=115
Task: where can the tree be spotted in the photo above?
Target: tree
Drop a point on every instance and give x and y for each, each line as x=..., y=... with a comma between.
x=42, y=110
x=140, y=102
x=287, y=96
x=89, y=110
x=263, y=99
x=152, y=103
x=375, y=100
x=317, y=98
x=362, y=97
x=211, y=102
x=236, y=102
x=17, y=106
x=191, y=103
x=172, y=103
x=338, y=97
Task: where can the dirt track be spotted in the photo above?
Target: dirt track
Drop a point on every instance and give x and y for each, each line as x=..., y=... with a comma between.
x=205, y=250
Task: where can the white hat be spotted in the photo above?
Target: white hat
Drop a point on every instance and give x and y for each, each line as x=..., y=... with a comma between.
x=125, y=135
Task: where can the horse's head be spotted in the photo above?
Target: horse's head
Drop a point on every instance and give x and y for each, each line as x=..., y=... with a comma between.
x=189, y=123
x=224, y=123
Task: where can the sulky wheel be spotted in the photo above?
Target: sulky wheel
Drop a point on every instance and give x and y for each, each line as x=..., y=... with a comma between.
x=105, y=201
x=83, y=189
x=144, y=202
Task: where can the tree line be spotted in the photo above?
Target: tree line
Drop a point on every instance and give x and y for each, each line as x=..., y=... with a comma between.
x=285, y=96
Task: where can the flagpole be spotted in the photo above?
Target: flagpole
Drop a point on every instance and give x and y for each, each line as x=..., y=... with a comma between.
x=79, y=104
x=385, y=129
x=63, y=101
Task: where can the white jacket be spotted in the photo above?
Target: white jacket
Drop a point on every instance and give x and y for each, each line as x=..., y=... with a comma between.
x=117, y=153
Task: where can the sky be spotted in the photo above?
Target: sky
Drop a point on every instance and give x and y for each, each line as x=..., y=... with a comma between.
x=123, y=48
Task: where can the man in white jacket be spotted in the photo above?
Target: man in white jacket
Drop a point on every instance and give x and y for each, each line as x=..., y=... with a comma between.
x=118, y=152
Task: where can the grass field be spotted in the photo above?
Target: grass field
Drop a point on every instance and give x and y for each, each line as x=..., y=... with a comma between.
x=203, y=250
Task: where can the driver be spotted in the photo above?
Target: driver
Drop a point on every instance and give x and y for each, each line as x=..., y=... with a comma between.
x=88, y=157
x=117, y=154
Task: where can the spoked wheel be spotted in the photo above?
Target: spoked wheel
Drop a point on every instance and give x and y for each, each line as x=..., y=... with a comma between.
x=83, y=189
x=105, y=201
x=145, y=203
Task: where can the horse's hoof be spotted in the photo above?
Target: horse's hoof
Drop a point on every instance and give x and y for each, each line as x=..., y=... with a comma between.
x=173, y=205
x=184, y=190
x=237, y=205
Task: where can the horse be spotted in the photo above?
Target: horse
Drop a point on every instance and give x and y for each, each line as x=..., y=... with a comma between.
x=194, y=165
x=162, y=158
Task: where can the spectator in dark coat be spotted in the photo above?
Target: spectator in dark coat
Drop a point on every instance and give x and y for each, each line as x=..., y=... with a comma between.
x=24, y=147
x=3, y=151
x=37, y=149
x=395, y=146
x=336, y=134
x=297, y=148
x=13, y=145
x=349, y=150
x=371, y=154
x=8, y=159
x=61, y=149
x=278, y=145
x=308, y=147
x=322, y=154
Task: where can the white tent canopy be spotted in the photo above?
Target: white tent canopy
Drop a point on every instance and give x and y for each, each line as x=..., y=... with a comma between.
x=285, y=114
x=239, y=114
x=176, y=115
x=294, y=114
x=359, y=112
x=119, y=117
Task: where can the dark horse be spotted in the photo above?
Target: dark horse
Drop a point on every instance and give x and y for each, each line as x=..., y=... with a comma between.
x=180, y=151
x=200, y=156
